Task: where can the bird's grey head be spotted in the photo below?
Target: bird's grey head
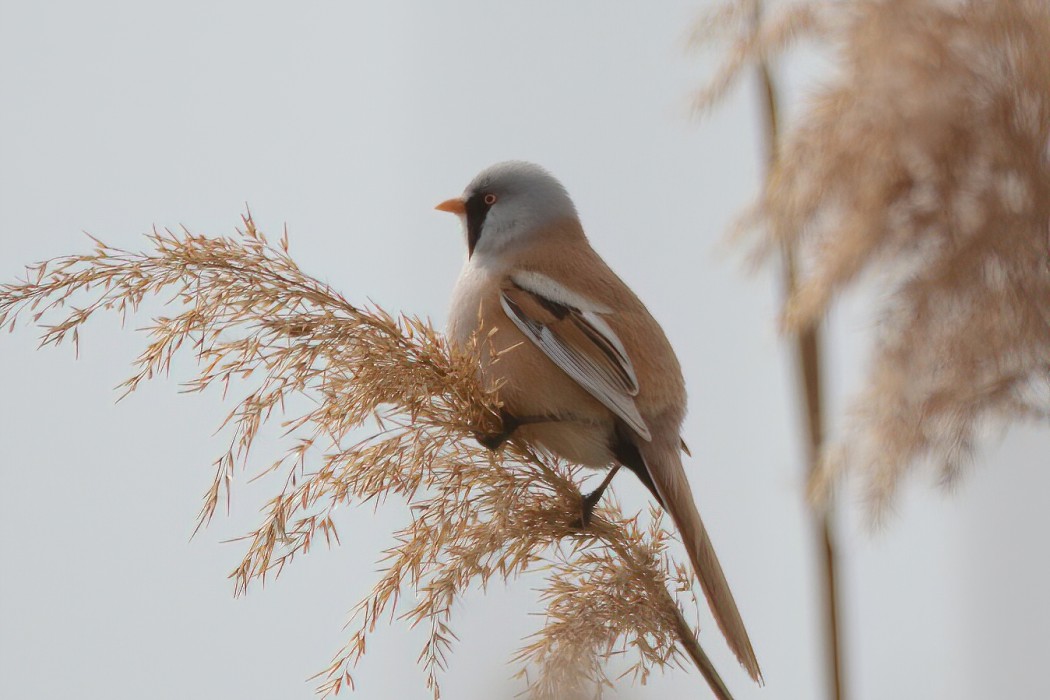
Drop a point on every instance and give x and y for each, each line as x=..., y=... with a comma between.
x=508, y=202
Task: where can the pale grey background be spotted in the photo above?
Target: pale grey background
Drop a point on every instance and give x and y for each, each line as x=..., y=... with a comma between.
x=349, y=121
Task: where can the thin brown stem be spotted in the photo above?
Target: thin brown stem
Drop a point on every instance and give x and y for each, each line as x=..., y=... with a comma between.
x=684, y=633
x=699, y=657
x=807, y=343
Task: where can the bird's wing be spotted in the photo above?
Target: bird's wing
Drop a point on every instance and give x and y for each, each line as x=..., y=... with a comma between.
x=570, y=330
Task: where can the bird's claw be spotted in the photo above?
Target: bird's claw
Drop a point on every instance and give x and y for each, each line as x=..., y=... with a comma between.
x=493, y=441
x=588, y=502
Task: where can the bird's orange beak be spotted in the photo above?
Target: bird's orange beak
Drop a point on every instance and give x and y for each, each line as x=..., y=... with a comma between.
x=454, y=206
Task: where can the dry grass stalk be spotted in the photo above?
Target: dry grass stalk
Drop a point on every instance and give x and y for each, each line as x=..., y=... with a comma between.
x=809, y=356
x=755, y=40
x=926, y=161
x=251, y=316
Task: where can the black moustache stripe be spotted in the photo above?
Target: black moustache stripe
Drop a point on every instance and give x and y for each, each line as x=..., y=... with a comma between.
x=477, y=210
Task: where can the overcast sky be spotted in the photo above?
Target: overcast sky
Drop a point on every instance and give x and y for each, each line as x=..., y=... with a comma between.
x=349, y=121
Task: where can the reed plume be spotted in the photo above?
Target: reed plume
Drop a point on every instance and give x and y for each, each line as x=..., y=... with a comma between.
x=252, y=318
x=923, y=164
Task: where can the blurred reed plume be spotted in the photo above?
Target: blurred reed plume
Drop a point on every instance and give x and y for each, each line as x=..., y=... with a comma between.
x=251, y=317
x=924, y=163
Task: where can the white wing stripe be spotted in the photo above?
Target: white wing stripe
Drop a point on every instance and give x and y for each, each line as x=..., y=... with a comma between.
x=543, y=286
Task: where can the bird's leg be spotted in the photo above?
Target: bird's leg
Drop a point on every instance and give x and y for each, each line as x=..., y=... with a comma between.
x=509, y=424
x=590, y=500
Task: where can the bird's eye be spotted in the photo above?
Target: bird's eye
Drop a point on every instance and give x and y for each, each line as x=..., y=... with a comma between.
x=490, y=199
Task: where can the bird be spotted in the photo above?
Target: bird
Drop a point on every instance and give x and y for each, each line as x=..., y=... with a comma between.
x=581, y=367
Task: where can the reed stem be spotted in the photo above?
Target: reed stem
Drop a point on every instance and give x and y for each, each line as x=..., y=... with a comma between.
x=807, y=351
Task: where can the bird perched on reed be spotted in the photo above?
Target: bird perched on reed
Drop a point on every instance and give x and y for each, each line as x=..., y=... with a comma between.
x=582, y=368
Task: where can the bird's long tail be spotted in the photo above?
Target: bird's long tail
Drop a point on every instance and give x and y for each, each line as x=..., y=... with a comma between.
x=664, y=465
